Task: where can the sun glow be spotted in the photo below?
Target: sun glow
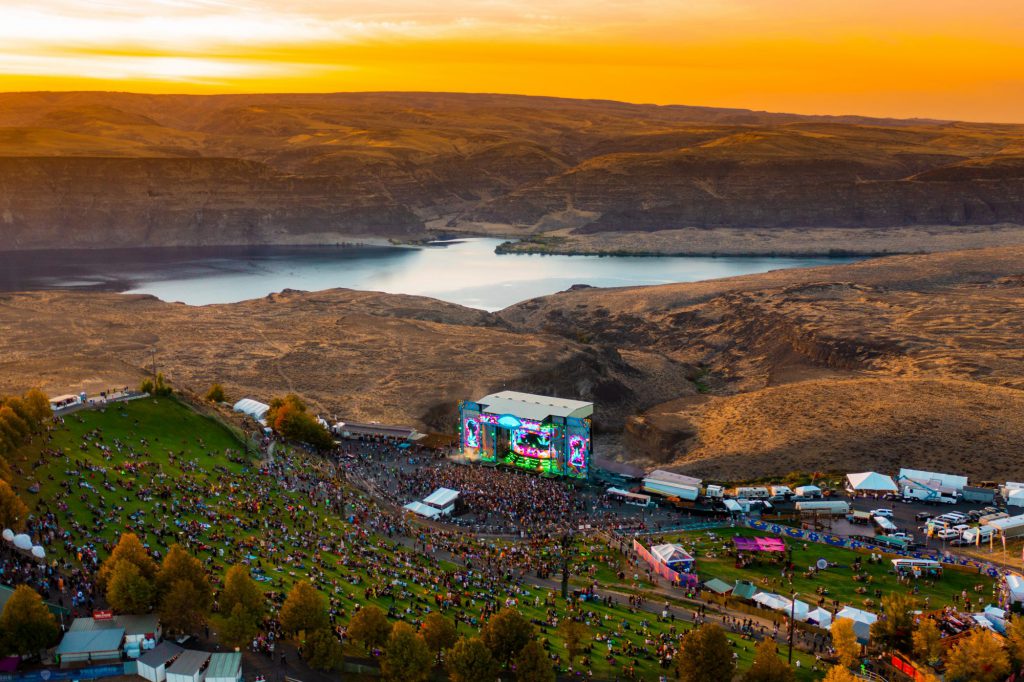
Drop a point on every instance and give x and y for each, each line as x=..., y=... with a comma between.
x=914, y=58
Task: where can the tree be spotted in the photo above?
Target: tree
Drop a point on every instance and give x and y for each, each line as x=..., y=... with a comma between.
x=704, y=656
x=128, y=591
x=239, y=627
x=927, y=641
x=216, y=394
x=471, y=661
x=38, y=406
x=369, y=627
x=1015, y=639
x=505, y=634
x=129, y=548
x=241, y=589
x=304, y=609
x=767, y=666
x=15, y=424
x=13, y=511
x=156, y=387
x=179, y=565
x=182, y=608
x=26, y=624
x=838, y=673
x=21, y=408
x=322, y=650
x=979, y=657
x=895, y=627
x=439, y=633
x=533, y=665
x=844, y=641
x=406, y=656
x=574, y=635
x=288, y=416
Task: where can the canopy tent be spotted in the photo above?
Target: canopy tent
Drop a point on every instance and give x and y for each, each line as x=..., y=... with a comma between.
x=807, y=490
x=862, y=621
x=759, y=544
x=732, y=506
x=820, y=617
x=252, y=408
x=424, y=510
x=442, y=498
x=673, y=556
x=718, y=586
x=744, y=589
x=1015, y=498
x=871, y=481
x=1015, y=587
x=773, y=601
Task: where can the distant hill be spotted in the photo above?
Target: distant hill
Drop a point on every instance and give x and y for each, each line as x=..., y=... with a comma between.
x=119, y=169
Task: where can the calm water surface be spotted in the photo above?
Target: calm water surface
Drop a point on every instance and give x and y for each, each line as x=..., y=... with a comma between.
x=466, y=271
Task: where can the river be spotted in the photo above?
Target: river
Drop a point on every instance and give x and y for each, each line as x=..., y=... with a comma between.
x=465, y=271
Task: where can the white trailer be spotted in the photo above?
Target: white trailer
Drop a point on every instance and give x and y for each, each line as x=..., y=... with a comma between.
x=715, y=492
x=754, y=493
x=915, y=490
x=979, y=535
x=829, y=507
x=668, y=484
x=1010, y=527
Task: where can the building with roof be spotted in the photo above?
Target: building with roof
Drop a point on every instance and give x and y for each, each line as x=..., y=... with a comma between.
x=152, y=665
x=539, y=433
x=672, y=485
x=90, y=646
x=141, y=632
x=189, y=666
x=225, y=667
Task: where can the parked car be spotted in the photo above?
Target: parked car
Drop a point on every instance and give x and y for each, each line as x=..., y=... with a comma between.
x=922, y=516
x=887, y=513
x=947, y=534
x=957, y=517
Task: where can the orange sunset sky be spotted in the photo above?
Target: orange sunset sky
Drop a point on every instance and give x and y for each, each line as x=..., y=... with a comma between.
x=930, y=58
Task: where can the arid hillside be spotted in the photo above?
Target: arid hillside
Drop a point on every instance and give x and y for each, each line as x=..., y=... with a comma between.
x=117, y=169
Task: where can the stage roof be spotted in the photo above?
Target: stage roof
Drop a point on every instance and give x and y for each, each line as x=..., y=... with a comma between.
x=536, y=407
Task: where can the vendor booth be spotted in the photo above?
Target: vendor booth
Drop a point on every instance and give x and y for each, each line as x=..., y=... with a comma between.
x=152, y=665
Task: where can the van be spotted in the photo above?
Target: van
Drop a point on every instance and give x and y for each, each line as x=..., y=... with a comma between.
x=947, y=534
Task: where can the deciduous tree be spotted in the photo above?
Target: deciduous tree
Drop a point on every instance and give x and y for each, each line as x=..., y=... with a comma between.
x=844, y=641
x=304, y=609
x=575, y=636
x=438, y=632
x=767, y=666
x=471, y=661
x=182, y=608
x=1015, y=639
x=979, y=657
x=13, y=511
x=128, y=591
x=239, y=627
x=216, y=394
x=927, y=641
x=839, y=673
x=240, y=588
x=406, y=656
x=129, y=548
x=26, y=624
x=704, y=656
x=505, y=634
x=38, y=405
x=369, y=627
x=322, y=650
x=895, y=627
x=533, y=665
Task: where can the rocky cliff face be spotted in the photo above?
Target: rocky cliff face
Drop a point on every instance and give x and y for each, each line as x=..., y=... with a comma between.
x=114, y=169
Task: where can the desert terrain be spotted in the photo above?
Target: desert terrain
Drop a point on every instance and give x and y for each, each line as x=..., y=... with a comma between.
x=913, y=360
x=96, y=169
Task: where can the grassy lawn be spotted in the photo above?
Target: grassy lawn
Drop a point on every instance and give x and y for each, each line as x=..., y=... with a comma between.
x=152, y=465
x=711, y=550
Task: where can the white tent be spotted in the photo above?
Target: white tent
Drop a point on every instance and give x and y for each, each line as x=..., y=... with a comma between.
x=820, y=617
x=808, y=491
x=672, y=555
x=1015, y=586
x=424, y=510
x=772, y=601
x=871, y=481
x=862, y=621
x=252, y=408
x=1015, y=498
x=442, y=499
x=732, y=506
x=22, y=541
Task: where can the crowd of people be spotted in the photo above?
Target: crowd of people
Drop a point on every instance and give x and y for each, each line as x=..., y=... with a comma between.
x=287, y=514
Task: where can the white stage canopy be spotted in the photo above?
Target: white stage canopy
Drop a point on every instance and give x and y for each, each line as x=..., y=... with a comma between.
x=441, y=498
x=871, y=481
x=424, y=510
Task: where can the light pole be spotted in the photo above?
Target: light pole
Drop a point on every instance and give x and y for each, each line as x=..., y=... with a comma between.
x=792, y=615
